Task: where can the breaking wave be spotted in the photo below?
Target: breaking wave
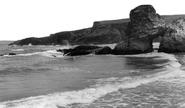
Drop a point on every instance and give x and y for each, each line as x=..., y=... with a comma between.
x=49, y=53
x=17, y=50
x=103, y=87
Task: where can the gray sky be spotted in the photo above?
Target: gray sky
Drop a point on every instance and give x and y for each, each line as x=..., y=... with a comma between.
x=37, y=18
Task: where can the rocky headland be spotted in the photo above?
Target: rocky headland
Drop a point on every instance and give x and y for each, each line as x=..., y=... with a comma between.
x=134, y=35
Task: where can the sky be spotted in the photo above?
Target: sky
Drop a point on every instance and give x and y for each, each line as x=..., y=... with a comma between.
x=38, y=18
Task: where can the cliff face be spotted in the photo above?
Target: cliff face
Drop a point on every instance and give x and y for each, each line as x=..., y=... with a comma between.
x=98, y=34
x=103, y=34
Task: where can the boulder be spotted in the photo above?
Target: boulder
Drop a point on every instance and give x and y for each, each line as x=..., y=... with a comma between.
x=174, y=39
x=104, y=50
x=144, y=26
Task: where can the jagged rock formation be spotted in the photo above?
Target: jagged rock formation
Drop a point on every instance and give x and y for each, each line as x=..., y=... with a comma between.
x=144, y=26
x=174, y=39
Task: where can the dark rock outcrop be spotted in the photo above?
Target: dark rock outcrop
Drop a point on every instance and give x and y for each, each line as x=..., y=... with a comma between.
x=135, y=47
x=174, y=39
x=145, y=25
x=85, y=50
x=79, y=50
x=103, y=51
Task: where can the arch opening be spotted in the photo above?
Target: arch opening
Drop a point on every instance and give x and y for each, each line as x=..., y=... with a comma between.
x=156, y=43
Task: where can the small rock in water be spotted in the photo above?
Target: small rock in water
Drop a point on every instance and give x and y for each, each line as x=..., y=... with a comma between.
x=12, y=54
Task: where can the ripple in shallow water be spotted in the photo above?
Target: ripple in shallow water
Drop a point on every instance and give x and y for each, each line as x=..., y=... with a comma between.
x=159, y=94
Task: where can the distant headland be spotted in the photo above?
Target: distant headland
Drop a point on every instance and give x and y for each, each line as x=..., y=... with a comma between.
x=134, y=35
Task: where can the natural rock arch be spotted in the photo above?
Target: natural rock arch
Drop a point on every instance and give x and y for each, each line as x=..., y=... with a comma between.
x=144, y=26
x=156, y=43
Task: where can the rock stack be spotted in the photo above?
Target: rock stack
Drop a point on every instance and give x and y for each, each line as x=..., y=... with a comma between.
x=144, y=26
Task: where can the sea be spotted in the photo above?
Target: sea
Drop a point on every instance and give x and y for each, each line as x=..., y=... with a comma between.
x=41, y=77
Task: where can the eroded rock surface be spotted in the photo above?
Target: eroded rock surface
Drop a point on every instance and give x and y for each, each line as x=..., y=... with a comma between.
x=144, y=26
x=174, y=39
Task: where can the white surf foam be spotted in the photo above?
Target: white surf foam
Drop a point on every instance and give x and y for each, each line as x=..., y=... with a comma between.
x=155, y=54
x=49, y=53
x=30, y=44
x=110, y=45
x=173, y=62
x=17, y=50
x=102, y=88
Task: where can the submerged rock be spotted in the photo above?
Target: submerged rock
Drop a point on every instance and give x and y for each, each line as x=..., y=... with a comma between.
x=144, y=26
x=174, y=39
